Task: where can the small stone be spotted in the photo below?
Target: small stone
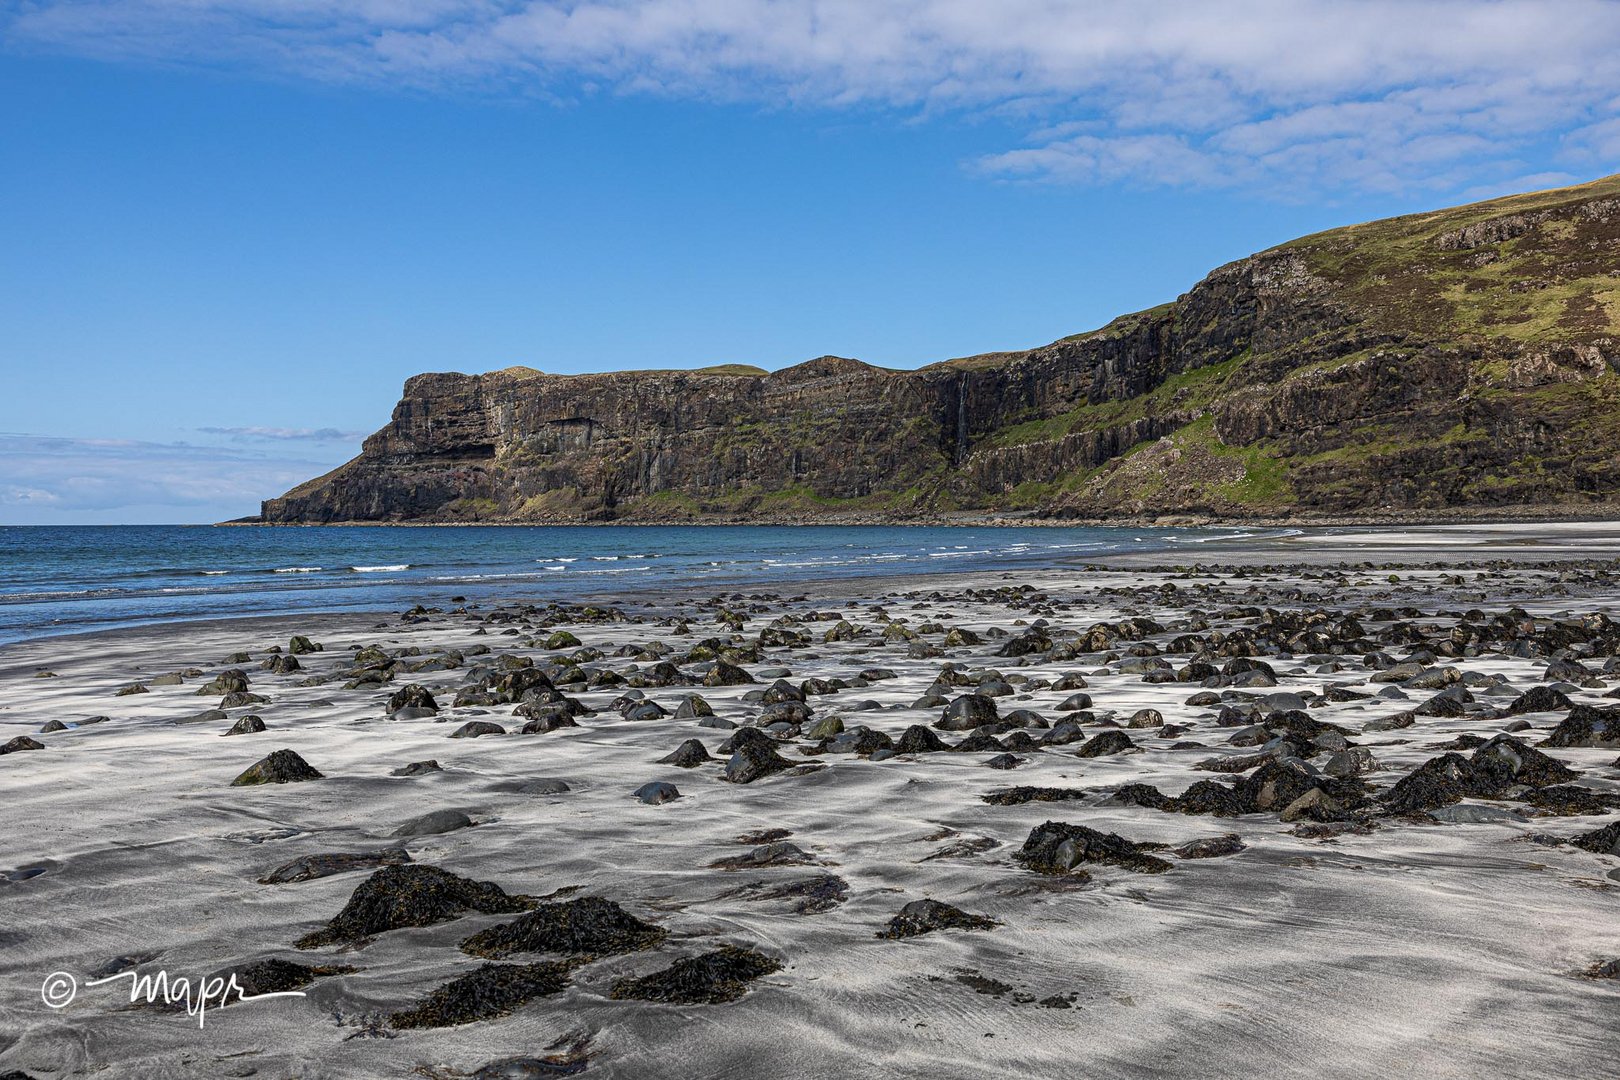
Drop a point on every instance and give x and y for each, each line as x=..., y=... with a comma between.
x=656, y=793
x=310, y=867
x=1212, y=847
x=689, y=755
x=247, y=725
x=431, y=824
x=472, y=729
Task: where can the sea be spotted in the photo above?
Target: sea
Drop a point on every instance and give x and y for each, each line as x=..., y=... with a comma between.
x=73, y=579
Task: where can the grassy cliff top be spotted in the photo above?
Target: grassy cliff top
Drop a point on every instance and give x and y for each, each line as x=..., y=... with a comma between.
x=1544, y=266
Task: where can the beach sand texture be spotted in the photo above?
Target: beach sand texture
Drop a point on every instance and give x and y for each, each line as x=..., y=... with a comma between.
x=1349, y=941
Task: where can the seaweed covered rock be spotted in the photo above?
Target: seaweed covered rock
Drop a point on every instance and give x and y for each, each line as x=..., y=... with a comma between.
x=925, y=916
x=1017, y=796
x=1586, y=726
x=1499, y=765
x=1537, y=699
x=776, y=853
x=277, y=976
x=1139, y=795
x=918, y=739
x=710, y=979
x=279, y=767
x=1437, y=782
x=1105, y=743
x=804, y=896
x=1505, y=761
x=1209, y=797
x=1570, y=800
x=1604, y=841
x=487, y=992
x=248, y=725
x=400, y=896
x=588, y=926
x=1059, y=848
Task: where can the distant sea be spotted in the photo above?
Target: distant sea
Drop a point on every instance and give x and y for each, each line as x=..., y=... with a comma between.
x=68, y=579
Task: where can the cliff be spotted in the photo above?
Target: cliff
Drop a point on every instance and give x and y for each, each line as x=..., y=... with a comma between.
x=1463, y=361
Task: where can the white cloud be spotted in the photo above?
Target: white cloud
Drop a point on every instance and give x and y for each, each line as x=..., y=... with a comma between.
x=283, y=434
x=1313, y=94
x=46, y=477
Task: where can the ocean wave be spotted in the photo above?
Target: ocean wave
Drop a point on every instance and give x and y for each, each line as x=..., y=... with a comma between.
x=297, y=570
x=392, y=568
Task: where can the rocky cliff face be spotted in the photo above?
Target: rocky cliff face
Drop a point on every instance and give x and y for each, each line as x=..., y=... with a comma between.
x=1462, y=360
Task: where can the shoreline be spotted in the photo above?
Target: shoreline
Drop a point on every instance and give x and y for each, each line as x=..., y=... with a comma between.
x=1509, y=515
x=1434, y=548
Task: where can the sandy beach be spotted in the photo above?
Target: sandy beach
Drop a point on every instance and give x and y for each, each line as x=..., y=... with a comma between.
x=1306, y=886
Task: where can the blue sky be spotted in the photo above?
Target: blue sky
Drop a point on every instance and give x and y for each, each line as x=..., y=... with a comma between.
x=232, y=228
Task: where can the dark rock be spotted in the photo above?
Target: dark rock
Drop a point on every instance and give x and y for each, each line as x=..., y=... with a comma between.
x=310, y=867
x=753, y=756
x=431, y=824
x=1140, y=795
x=1212, y=847
x=1437, y=782
x=401, y=896
x=724, y=674
x=918, y=739
x=484, y=993
x=656, y=793
x=417, y=768
x=277, y=976
x=280, y=767
x=1537, y=699
x=588, y=926
x=967, y=712
x=807, y=896
x=689, y=755
x=1107, y=742
x=925, y=916
x=247, y=725
x=1209, y=797
x=712, y=978
x=1017, y=796
x=776, y=853
x=1059, y=848
x=1604, y=841
x=1586, y=726
x=472, y=729
x=980, y=742
x=20, y=743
